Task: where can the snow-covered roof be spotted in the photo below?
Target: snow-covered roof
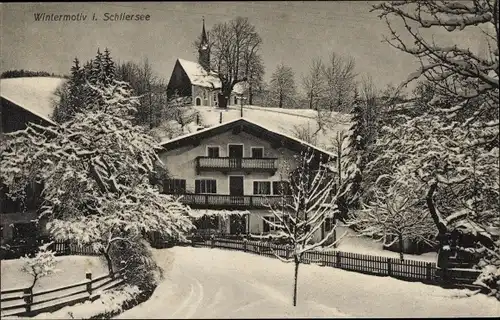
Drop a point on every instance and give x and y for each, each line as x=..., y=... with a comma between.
x=244, y=120
x=34, y=94
x=200, y=77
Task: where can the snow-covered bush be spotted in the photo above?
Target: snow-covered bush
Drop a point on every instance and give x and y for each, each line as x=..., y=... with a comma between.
x=141, y=269
x=490, y=270
x=41, y=265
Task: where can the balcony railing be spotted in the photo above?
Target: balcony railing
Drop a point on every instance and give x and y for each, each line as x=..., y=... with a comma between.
x=237, y=164
x=221, y=201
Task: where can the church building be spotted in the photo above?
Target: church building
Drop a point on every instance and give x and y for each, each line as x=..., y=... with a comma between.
x=196, y=81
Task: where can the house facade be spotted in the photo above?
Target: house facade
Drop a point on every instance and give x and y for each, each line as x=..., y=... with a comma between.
x=23, y=101
x=238, y=166
x=196, y=81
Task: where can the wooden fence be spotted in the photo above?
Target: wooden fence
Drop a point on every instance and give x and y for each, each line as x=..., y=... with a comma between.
x=409, y=270
x=25, y=302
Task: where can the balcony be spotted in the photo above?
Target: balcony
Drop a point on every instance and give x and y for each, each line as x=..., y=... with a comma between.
x=226, y=164
x=220, y=201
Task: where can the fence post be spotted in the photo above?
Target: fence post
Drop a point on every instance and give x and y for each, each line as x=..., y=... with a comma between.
x=28, y=298
x=245, y=245
x=338, y=259
x=287, y=250
x=212, y=244
x=389, y=267
x=428, y=271
x=88, y=276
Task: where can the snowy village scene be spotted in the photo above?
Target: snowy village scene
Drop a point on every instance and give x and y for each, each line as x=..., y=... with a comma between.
x=224, y=160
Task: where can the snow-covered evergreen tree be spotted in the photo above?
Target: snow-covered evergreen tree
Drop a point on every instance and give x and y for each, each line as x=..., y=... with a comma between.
x=79, y=93
x=95, y=169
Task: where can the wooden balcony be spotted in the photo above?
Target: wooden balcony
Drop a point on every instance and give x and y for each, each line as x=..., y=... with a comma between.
x=226, y=164
x=220, y=201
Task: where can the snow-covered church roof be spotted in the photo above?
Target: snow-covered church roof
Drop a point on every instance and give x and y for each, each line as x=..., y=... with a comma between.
x=200, y=77
x=34, y=94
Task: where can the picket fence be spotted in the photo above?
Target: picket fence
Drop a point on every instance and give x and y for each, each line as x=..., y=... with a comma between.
x=26, y=303
x=409, y=270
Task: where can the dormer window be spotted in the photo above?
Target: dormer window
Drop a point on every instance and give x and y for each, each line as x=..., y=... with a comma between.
x=213, y=152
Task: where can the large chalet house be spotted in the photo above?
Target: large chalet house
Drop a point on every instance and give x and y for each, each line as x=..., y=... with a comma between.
x=195, y=80
x=238, y=166
x=23, y=100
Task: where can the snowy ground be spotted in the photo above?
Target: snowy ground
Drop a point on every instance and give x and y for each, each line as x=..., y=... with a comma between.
x=213, y=283
x=363, y=245
x=73, y=269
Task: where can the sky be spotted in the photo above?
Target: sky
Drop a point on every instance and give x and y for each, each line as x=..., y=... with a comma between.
x=293, y=33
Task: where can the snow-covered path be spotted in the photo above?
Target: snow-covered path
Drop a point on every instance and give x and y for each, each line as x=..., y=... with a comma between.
x=211, y=283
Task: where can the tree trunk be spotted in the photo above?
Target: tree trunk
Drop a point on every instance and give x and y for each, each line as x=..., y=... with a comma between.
x=311, y=100
x=250, y=95
x=280, y=104
x=401, y=246
x=108, y=260
x=295, y=280
x=432, y=210
x=222, y=100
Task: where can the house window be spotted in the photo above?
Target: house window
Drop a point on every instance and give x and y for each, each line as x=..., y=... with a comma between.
x=213, y=152
x=281, y=188
x=205, y=186
x=174, y=186
x=257, y=152
x=235, y=100
x=215, y=97
x=267, y=227
x=198, y=101
x=261, y=187
x=204, y=94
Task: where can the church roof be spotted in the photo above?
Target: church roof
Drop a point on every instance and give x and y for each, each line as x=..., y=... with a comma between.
x=200, y=77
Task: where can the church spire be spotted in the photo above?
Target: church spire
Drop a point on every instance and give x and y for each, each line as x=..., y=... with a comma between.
x=204, y=39
x=204, y=49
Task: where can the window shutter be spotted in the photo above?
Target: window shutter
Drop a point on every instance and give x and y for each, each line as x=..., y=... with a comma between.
x=197, y=186
x=255, y=187
x=183, y=186
x=213, y=186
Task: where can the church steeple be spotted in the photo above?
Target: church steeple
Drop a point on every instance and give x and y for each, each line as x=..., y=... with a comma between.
x=204, y=49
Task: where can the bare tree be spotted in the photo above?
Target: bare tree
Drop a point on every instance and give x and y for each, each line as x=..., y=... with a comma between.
x=456, y=71
x=234, y=48
x=298, y=221
x=150, y=88
x=340, y=82
x=395, y=215
x=283, y=85
x=314, y=84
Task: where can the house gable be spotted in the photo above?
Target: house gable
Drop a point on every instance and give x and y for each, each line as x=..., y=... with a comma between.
x=276, y=140
x=179, y=82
